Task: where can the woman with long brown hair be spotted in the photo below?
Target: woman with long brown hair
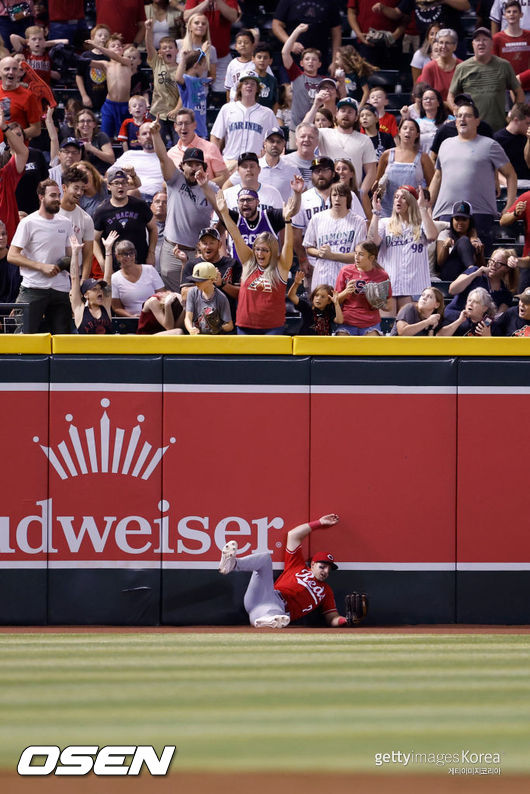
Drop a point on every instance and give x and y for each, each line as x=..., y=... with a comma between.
x=405, y=164
x=97, y=145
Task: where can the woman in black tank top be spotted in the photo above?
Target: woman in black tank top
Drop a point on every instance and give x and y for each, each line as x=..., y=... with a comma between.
x=91, y=300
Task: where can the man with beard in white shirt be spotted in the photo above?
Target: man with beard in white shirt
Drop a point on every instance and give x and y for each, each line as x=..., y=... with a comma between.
x=345, y=140
x=241, y=126
x=315, y=200
x=41, y=240
x=248, y=171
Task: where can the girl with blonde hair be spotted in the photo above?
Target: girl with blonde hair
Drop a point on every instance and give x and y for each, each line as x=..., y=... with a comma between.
x=198, y=38
x=403, y=239
x=261, y=304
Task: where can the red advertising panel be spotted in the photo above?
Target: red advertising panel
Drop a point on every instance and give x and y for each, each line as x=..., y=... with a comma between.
x=385, y=462
x=493, y=444
x=24, y=508
x=240, y=470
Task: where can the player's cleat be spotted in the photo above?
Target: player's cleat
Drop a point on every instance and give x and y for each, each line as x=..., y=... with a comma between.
x=272, y=622
x=228, y=557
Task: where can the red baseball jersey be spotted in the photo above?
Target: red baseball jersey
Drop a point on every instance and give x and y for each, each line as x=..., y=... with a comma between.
x=302, y=592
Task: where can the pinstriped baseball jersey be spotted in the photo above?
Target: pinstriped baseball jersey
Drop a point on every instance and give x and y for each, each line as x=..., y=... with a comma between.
x=312, y=201
x=405, y=260
x=341, y=234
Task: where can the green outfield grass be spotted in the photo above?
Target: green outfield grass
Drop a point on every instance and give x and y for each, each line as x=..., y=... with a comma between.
x=271, y=701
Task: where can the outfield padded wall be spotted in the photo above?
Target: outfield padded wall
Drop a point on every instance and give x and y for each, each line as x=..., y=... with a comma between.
x=146, y=464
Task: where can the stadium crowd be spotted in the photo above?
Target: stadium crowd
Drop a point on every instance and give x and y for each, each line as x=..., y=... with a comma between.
x=301, y=167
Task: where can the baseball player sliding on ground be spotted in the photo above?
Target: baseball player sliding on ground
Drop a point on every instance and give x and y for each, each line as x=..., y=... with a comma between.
x=298, y=590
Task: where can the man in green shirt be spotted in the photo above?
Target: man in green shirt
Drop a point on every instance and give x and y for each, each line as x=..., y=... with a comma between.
x=487, y=78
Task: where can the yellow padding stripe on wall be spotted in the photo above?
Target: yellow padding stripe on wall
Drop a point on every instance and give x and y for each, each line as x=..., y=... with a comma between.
x=13, y=344
x=409, y=346
x=131, y=344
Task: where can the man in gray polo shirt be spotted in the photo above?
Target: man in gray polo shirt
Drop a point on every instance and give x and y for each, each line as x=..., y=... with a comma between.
x=188, y=210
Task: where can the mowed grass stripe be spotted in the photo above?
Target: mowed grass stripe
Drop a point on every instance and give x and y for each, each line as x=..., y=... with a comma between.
x=269, y=701
x=266, y=640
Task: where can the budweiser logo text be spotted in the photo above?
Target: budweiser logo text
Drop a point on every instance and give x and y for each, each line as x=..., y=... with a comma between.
x=43, y=532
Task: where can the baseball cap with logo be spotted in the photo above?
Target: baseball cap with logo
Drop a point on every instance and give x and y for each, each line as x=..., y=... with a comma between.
x=90, y=283
x=524, y=296
x=348, y=102
x=250, y=76
x=244, y=156
x=115, y=173
x=71, y=142
x=463, y=99
x=204, y=271
x=322, y=162
x=209, y=231
x=275, y=131
x=325, y=556
x=193, y=153
x=482, y=32
x=462, y=209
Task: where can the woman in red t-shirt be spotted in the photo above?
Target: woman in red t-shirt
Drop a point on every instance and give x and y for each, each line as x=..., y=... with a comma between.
x=261, y=303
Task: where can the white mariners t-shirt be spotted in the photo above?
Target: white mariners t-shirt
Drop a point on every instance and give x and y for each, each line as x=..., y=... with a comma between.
x=242, y=128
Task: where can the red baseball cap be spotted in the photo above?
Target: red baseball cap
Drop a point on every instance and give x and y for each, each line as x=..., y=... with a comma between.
x=325, y=556
x=412, y=190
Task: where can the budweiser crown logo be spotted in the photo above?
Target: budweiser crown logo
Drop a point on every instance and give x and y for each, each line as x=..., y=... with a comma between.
x=111, y=451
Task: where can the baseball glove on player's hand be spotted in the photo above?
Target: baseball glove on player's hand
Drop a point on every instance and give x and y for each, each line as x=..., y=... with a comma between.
x=376, y=293
x=356, y=608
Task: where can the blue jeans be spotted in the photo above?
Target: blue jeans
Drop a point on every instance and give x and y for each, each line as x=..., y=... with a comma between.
x=354, y=330
x=484, y=228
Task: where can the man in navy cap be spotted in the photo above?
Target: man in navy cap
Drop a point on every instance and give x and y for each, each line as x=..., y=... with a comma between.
x=249, y=176
x=70, y=152
x=188, y=209
x=275, y=171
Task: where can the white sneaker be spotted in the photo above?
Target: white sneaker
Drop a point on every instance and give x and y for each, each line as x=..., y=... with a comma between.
x=272, y=622
x=228, y=557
